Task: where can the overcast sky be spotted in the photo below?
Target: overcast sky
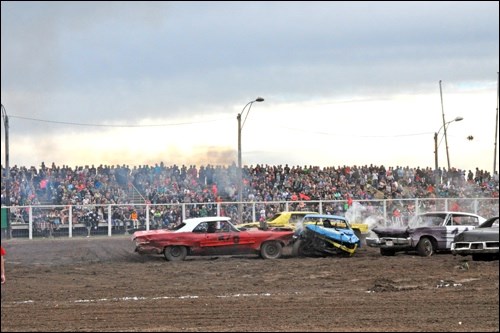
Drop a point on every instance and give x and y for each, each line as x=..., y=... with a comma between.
x=344, y=83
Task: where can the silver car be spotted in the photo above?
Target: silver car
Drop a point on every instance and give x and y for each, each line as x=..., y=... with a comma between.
x=481, y=243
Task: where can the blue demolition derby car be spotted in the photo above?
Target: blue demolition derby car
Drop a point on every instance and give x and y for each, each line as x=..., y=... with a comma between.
x=320, y=235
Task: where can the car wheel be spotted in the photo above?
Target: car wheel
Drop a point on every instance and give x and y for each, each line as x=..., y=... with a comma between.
x=387, y=252
x=175, y=253
x=425, y=247
x=302, y=248
x=271, y=250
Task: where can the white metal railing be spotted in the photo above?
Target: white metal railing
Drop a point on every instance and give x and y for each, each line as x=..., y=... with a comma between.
x=41, y=220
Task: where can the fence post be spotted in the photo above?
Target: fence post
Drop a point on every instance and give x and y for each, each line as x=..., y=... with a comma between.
x=70, y=221
x=385, y=212
x=253, y=211
x=30, y=223
x=109, y=220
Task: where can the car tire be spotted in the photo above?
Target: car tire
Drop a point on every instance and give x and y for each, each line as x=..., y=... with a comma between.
x=425, y=248
x=175, y=253
x=271, y=250
x=302, y=248
x=387, y=252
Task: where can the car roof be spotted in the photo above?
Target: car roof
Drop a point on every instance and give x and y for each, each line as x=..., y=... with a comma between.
x=447, y=212
x=326, y=216
x=191, y=223
x=206, y=219
x=297, y=212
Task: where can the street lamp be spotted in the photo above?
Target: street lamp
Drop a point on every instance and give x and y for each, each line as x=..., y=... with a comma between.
x=436, y=143
x=240, y=171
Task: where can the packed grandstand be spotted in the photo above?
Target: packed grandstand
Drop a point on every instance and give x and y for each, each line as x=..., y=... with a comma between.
x=174, y=184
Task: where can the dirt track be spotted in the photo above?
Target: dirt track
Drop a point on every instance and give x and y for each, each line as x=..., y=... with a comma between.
x=99, y=284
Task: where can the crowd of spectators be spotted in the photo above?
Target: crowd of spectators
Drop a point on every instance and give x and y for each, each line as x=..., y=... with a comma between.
x=162, y=184
x=173, y=184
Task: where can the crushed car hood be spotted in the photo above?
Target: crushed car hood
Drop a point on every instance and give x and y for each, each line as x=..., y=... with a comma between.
x=339, y=235
x=391, y=232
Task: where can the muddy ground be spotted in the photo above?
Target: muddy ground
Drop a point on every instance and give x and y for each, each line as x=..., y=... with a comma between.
x=100, y=284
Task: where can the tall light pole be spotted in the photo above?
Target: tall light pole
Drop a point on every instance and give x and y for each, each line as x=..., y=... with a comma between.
x=436, y=141
x=240, y=170
x=496, y=131
x=7, y=168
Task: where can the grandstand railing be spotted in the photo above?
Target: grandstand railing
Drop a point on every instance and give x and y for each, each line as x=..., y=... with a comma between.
x=47, y=221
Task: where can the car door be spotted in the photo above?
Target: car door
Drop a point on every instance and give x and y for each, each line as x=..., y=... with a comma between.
x=456, y=224
x=220, y=238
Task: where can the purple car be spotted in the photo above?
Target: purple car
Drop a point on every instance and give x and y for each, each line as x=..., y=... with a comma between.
x=426, y=233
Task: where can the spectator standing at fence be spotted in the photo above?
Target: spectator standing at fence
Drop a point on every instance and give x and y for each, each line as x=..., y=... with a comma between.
x=396, y=217
x=118, y=219
x=134, y=217
x=3, y=264
x=157, y=218
x=262, y=217
x=55, y=218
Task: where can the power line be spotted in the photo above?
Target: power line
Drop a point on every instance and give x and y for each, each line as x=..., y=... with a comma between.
x=108, y=125
x=208, y=121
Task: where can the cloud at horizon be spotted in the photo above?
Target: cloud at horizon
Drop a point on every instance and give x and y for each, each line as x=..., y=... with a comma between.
x=195, y=62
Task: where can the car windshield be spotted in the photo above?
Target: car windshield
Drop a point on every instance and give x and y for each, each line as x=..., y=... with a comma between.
x=275, y=216
x=427, y=221
x=325, y=222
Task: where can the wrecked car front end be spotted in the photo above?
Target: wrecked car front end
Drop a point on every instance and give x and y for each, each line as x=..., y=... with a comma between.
x=329, y=235
x=397, y=239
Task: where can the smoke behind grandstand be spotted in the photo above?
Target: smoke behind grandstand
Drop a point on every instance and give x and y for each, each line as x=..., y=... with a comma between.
x=344, y=82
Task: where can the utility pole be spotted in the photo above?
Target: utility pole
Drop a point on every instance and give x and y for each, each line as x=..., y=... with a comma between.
x=444, y=125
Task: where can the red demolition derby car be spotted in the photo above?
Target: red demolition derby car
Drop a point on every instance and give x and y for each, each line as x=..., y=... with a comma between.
x=214, y=235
